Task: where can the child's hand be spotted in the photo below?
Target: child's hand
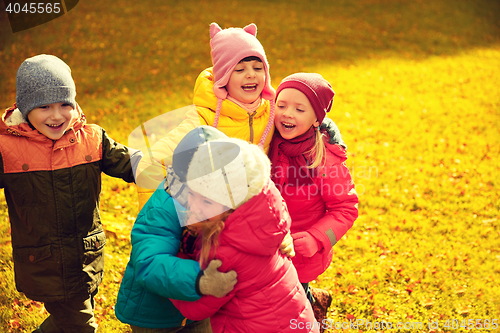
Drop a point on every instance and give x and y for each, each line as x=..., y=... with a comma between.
x=286, y=246
x=305, y=243
x=216, y=283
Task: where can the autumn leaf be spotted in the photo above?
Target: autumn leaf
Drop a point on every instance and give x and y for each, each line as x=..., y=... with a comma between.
x=463, y=310
x=428, y=303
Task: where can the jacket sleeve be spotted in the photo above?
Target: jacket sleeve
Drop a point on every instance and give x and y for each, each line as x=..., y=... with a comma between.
x=341, y=200
x=1, y=172
x=118, y=160
x=203, y=308
x=208, y=305
x=151, y=169
x=163, y=149
x=155, y=243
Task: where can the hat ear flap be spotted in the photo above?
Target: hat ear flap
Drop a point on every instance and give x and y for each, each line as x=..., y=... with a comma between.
x=214, y=29
x=251, y=29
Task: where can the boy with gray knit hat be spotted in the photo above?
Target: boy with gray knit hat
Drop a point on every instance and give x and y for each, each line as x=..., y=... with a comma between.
x=50, y=167
x=42, y=80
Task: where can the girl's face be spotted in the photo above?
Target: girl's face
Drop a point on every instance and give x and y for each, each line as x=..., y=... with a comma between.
x=247, y=81
x=202, y=208
x=294, y=114
x=52, y=120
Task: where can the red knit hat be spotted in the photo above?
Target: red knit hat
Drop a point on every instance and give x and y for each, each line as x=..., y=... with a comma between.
x=318, y=91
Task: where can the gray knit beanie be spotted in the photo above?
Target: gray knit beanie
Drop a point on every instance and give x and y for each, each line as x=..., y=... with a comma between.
x=41, y=80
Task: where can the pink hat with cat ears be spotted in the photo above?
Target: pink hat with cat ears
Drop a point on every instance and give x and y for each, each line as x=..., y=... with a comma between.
x=228, y=48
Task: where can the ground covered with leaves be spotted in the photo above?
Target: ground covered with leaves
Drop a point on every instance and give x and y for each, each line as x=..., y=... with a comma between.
x=417, y=102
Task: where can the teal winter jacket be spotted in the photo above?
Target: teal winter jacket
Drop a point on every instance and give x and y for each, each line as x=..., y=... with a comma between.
x=154, y=273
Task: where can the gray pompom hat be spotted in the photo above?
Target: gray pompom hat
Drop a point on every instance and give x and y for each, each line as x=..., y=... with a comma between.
x=41, y=80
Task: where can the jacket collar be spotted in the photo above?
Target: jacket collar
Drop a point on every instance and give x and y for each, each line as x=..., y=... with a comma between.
x=13, y=123
x=204, y=96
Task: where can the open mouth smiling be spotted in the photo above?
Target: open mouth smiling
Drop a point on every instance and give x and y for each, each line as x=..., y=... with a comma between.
x=249, y=87
x=55, y=126
x=287, y=125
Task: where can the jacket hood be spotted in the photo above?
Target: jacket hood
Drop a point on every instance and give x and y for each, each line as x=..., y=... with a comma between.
x=336, y=149
x=13, y=123
x=204, y=96
x=258, y=226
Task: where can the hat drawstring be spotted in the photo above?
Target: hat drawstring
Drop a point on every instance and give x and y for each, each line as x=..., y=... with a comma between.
x=270, y=124
x=217, y=112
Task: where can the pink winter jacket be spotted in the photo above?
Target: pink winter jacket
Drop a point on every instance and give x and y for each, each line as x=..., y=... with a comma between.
x=268, y=296
x=326, y=209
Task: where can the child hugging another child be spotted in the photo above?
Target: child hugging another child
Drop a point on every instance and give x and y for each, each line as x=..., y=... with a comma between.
x=312, y=177
x=242, y=219
x=236, y=218
x=234, y=95
x=50, y=168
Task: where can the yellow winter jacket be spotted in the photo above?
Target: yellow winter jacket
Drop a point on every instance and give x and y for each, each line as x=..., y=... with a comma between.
x=234, y=121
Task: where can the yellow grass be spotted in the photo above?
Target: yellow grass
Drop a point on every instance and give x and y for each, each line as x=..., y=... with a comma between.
x=418, y=105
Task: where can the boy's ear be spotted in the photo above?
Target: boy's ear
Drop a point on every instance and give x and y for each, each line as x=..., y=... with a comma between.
x=214, y=29
x=251, y=29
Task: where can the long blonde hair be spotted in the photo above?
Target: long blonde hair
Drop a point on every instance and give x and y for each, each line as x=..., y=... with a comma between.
x=318, y=151
x=210, y=231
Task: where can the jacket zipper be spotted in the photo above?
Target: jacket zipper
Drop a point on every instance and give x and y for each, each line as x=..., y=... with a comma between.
x=250, y=124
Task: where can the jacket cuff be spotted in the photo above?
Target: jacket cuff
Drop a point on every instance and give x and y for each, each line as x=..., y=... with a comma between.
x=197, y=283
x=328, y=239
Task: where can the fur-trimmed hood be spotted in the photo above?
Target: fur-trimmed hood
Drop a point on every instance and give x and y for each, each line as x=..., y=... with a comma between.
x=13, y=123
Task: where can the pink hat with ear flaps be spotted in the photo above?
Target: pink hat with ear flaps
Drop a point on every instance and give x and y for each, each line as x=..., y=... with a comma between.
x=228, y=48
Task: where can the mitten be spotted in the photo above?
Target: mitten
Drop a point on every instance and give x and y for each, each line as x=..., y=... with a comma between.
x=286, y=246
x=305, y=244
x=216, y=283
x=333, y=132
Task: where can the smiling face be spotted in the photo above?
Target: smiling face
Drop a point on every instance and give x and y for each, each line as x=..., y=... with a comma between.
x=294, y=114
x=52, y=120
x=247, y=81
